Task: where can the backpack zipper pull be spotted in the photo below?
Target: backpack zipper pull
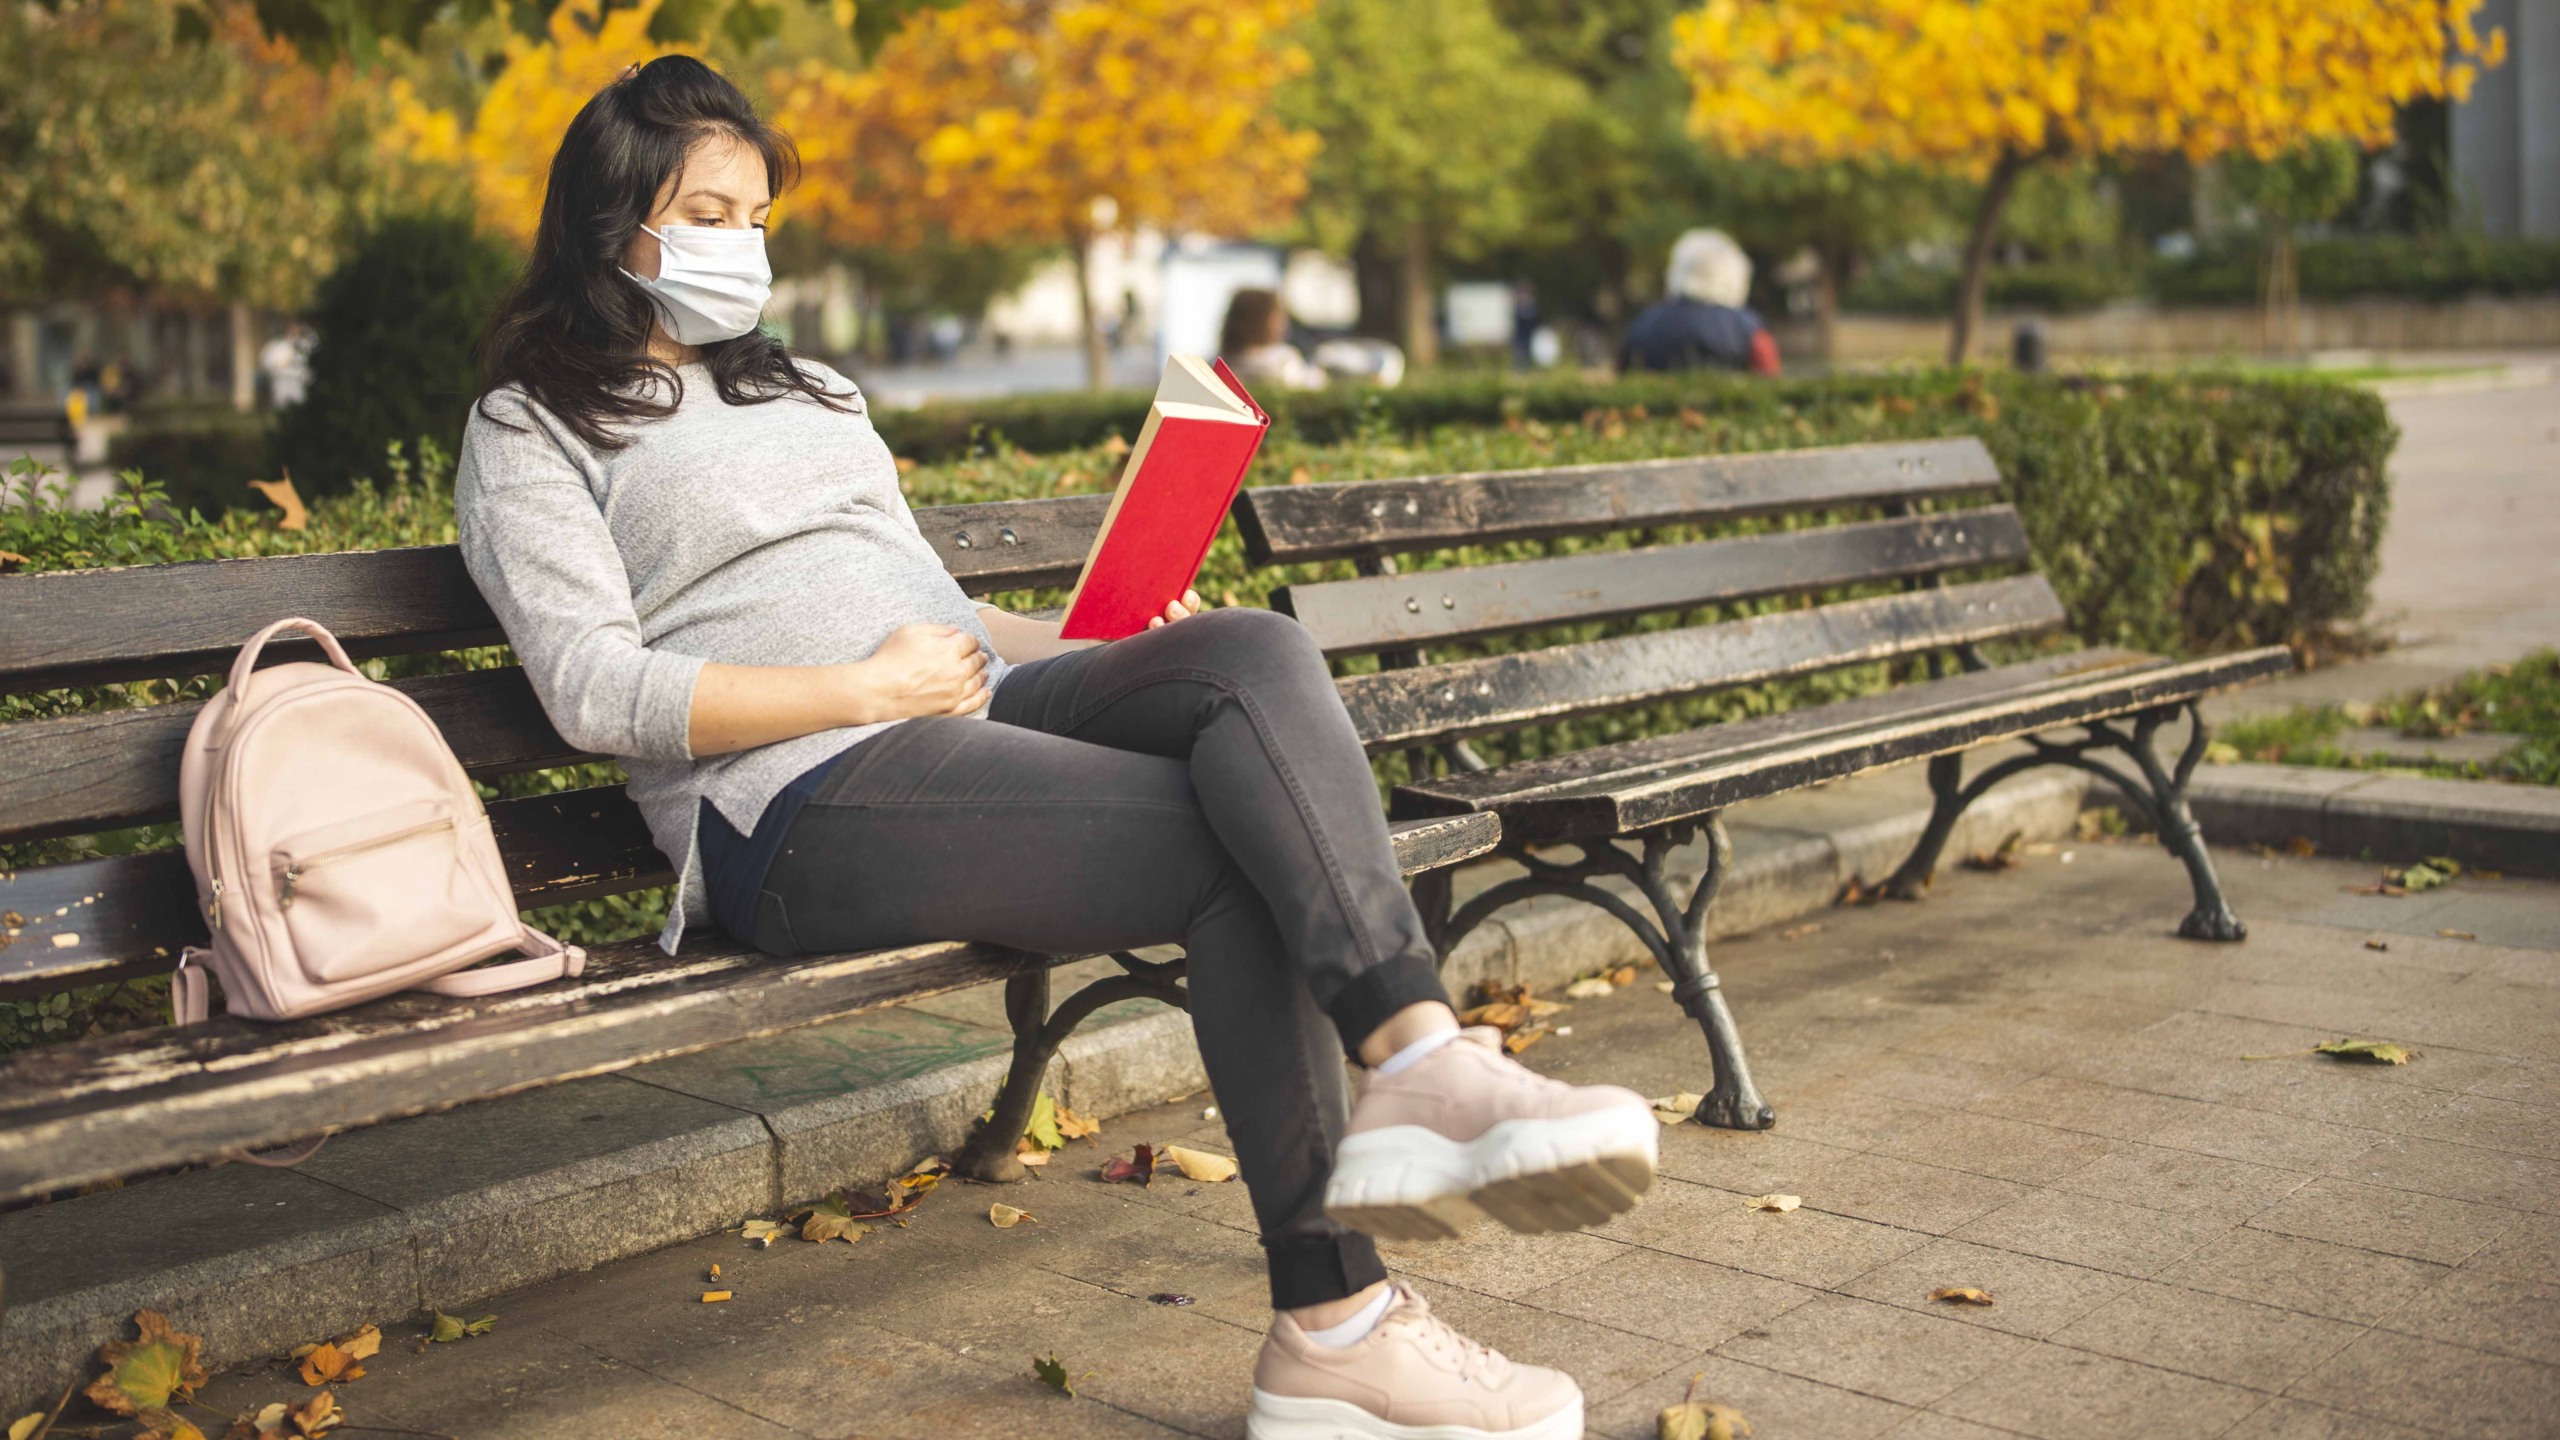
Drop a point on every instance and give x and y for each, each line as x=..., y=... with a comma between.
x=213, y=907
x=284, y=887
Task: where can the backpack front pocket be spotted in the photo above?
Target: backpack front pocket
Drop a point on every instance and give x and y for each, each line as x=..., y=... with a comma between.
x=378, y=891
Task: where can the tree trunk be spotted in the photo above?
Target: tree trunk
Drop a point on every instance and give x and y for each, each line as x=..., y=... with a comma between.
x=1097, y=356
x=1830, y=276
x=244, y=357
x=2278, y=316
x=1421, y=332
x=1977, y=252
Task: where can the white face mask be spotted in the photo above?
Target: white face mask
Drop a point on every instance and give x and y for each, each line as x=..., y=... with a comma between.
x=712, y=283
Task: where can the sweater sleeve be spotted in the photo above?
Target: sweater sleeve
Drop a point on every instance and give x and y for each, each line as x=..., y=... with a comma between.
x=536, y=543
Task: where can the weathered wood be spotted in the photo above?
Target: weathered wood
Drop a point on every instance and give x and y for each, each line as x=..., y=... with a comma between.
x=1382, y=612
x=131, y=914
x=1503, y=692
x=102, y=769
x=91, y=627
x=1288, y=523
x=1614, y=790
x=97, y=1109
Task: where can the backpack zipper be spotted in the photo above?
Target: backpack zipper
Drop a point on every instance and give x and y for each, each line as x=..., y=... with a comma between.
x=293, y=872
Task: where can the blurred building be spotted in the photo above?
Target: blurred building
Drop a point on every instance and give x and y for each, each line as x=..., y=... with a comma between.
x=2506, y=137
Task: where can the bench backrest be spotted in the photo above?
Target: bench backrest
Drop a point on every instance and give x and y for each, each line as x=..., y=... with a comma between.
x=1398, y=612
x=103, y=770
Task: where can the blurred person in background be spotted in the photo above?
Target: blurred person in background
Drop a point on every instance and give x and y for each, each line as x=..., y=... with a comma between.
x=1702, y=322
x=1254, y=342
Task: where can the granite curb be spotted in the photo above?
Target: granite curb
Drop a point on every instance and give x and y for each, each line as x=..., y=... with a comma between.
x=445, y=1209
x=2485, y=824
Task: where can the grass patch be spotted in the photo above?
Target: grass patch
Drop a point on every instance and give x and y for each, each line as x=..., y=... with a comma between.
x=2522, y=699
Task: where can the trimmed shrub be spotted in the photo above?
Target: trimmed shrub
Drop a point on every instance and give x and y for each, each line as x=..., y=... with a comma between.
x=397, y=323
x=2436, y=267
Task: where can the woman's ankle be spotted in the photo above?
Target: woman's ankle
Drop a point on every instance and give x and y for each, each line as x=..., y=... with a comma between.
x=1334, y=1312
x=1418, y=1021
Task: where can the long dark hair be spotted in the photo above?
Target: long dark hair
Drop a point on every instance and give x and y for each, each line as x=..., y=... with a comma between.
x=574, y=332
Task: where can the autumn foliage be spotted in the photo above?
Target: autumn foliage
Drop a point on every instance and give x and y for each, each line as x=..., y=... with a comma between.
x=1988, y=87
x=996, y=121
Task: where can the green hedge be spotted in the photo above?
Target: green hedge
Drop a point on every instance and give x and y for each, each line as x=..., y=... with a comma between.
x=2449, y=267
x=2172, y=514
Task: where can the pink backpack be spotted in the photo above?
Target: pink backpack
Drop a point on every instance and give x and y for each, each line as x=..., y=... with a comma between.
x=339, y=851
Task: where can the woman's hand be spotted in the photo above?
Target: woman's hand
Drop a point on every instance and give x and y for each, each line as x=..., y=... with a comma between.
x=1190, y=604
x=921, y=670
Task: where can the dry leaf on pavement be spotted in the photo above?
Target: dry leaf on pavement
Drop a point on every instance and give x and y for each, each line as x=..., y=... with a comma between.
x=1005, y=1217
x=445, y=1329
x=159, y=1365
x=169, y=1425
x=1200, y=1164
x=1780, y=1203
x=316, y=1416
x=830, y=1219
x=1961, y=1295
x=1076, y=1127
x=1672, y=1109
x=1623, y=975
x=1053, y=1373
x=332, y=1361
x=1696, y=1419
x=762, y=1233
x=25, y=1425
x=2003, y=856
x=1138, y=1169
x=2371, y=1052
x=1589, y=987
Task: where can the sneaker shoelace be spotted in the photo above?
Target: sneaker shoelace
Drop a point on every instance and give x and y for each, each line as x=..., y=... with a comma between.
x=1470, y=1360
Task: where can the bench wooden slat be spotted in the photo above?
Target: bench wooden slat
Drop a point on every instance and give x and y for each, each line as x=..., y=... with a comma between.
x=1610, y=790
x=130, y=914
x=97, y=1109
x=1504, y=692
x=83, y=773
x=1290, y=523
x=1384, y=612
x=93, y=627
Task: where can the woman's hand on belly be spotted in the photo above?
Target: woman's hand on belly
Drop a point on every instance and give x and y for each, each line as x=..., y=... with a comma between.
x=918, y=670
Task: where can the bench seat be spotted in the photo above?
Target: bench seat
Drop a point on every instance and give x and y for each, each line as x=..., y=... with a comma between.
x=118, y=1105
x=1627, y=787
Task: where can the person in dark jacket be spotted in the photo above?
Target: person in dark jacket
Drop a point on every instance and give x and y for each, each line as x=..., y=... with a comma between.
x=1702, y=323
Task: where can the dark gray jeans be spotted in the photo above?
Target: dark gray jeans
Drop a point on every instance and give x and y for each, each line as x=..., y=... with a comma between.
x=1197, y=784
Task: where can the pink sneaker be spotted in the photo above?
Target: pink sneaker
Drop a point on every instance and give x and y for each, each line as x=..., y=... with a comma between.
x=1412, y=1378
x=1467, y=1131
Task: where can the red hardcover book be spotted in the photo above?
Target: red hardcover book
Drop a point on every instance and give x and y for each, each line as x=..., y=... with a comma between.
x=1201, y=434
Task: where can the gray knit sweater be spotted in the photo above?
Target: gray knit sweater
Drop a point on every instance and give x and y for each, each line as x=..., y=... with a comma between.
x=769, y=534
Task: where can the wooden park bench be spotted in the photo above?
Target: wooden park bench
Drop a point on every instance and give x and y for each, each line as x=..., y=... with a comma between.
x=35, y=427
x=1910, y=531
x=114, y=1106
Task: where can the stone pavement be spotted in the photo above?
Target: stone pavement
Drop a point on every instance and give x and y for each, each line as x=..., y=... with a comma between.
x=2023, y=1085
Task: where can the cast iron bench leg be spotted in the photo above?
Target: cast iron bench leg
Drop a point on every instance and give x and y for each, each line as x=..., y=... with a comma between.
x=2160, y=794
x=1675, y=933
x=1037, y=1034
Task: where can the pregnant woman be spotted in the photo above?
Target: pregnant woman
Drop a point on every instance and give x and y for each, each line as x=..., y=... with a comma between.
x=696, y=544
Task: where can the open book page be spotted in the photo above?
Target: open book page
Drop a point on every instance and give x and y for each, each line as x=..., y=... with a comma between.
x=1189, y=382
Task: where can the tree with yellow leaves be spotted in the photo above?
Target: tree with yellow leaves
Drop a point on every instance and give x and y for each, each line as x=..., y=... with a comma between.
x=1000, y=121
x=1990, y=88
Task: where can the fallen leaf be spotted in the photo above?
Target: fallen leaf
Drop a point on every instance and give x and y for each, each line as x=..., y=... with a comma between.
x=445, y=1329
x=2418, y=879
x=316, y=1416
x=326, y=1364
x=1623, y=975
x=1672, y=1109
x=1031, y=1154
x=1665, y=986
x=1500, y=1014
x=2301, y=847
x=145, y=1373
x=1200, y=1164
x=1139, y=1168
x=170, y=1425
x=917, y=1183
x=1780, y=1203
x=830, y=1219
x=270, y=1420
x=1496, y=992
x=1961, y=1295
x=2371, y=1052
x=1696, y=1419
x=714, y=1297
x=1005, y=1217
x=2457, y=935
x=280, y=494
x=762, y=1233
x=1857, y=892
x=2003, y=856
x=2221, y=752
x=1076, y=1127
x=1042, y=1129
x=25, y=1425
x=1798, y=932
x=1169, y=1297
x=1590, y=987
x=1053, y=1373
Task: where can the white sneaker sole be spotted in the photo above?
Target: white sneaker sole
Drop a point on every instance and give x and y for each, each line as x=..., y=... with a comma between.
x=1288, y=1417
x=1535, y=1176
